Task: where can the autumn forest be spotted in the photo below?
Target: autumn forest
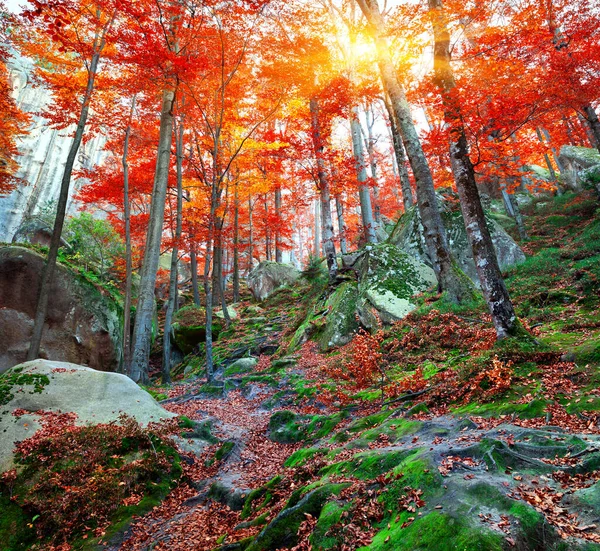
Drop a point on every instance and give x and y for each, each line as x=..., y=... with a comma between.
x=300, y=275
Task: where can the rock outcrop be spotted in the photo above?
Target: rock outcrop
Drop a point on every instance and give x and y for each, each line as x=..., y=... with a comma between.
x=43, y=155
x=83, y=324
x=189, y=327
x=94, y=396
x=408, y=236
x=387, y=279
x=267, y=277
x=580, y=165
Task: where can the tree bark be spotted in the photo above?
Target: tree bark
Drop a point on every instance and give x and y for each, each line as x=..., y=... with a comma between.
x=370, y=146
x=61, y=208
x=592, y=119
x=492, y=285
x=278, y=251
x=364, y=194
x=450, y=279
x=128, y=258
x=172, y=304
x=324, y=193
x=401, y=160
x=194, y=267
x=341, y=225
x=142, y=332
x=236, y=245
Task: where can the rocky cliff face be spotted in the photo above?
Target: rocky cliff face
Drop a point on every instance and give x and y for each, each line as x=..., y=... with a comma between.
x=43, y=155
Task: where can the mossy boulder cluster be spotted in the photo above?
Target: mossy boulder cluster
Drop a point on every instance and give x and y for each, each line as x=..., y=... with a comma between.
x=581, y=167
x=408, y=236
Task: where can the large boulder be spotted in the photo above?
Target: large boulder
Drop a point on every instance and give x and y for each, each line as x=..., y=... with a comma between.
x=388, y=279
x=94, y=396
x=408, y=236
x=267, y=277
x=83, y=324
x=580, y=165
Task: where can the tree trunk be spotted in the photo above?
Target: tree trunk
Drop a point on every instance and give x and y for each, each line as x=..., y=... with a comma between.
x=450, y=279
x=172, y=304
x=61, y=210
x=278, y=251
x=236, y=246
x=341, y=224
x=370, y=146
x=142, y=332
x=492, y=285
x=250, y=239
x=209, y=310
x=194, y=267
x=326, y=219
x=317, y=228
x=592, y=119
x=128, y=258
x=401, y=160
x=364, y=194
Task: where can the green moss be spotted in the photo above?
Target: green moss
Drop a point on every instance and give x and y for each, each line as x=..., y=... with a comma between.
x=224, y=450
x=535, y=408
x=299, y=457
x=367, y=465
x=330, y=516
x=17, y=531
x=438, y=531
x=250, y=505
x=16, y=378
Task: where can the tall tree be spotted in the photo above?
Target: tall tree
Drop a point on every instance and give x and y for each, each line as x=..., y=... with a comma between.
x=484, y=255
x=62, y=23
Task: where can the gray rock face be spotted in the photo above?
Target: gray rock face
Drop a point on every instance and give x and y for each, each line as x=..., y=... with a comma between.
x=95, y=396
x=43, y=155
x=579, y=164
x=267, y=277
x=83, y=325
x=408, y=236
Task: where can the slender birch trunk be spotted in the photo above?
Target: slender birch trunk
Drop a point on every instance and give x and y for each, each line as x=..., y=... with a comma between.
x=324, y=193
x=486, y=263
x=142, y=331
x=128, y=258
x=173, y=279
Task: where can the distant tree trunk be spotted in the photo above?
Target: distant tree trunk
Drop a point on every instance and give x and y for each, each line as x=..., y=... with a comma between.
x=61, y=208
x=547, y=158
x=407, y=195
x=326, y=219
x=142, y=332
x=364, y=194
x=210, y=368
x=317, y=234
x=341, y=224
x=370, y=147
x=128, y=258
x=172, y=304
x=236, y=245
x=278, y=251
x=267, y=229
x=194, y=267
x=592, y=119
x=250, y=238
x=449, y=276
x=484, y=255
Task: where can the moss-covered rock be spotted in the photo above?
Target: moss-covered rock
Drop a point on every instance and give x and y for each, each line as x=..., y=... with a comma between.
x=267, y=277
x=388, y=279
x=408, y=236
x=189, y=328
x=341, y=322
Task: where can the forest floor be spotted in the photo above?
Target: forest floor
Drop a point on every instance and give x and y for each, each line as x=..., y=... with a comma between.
x=428, y=435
